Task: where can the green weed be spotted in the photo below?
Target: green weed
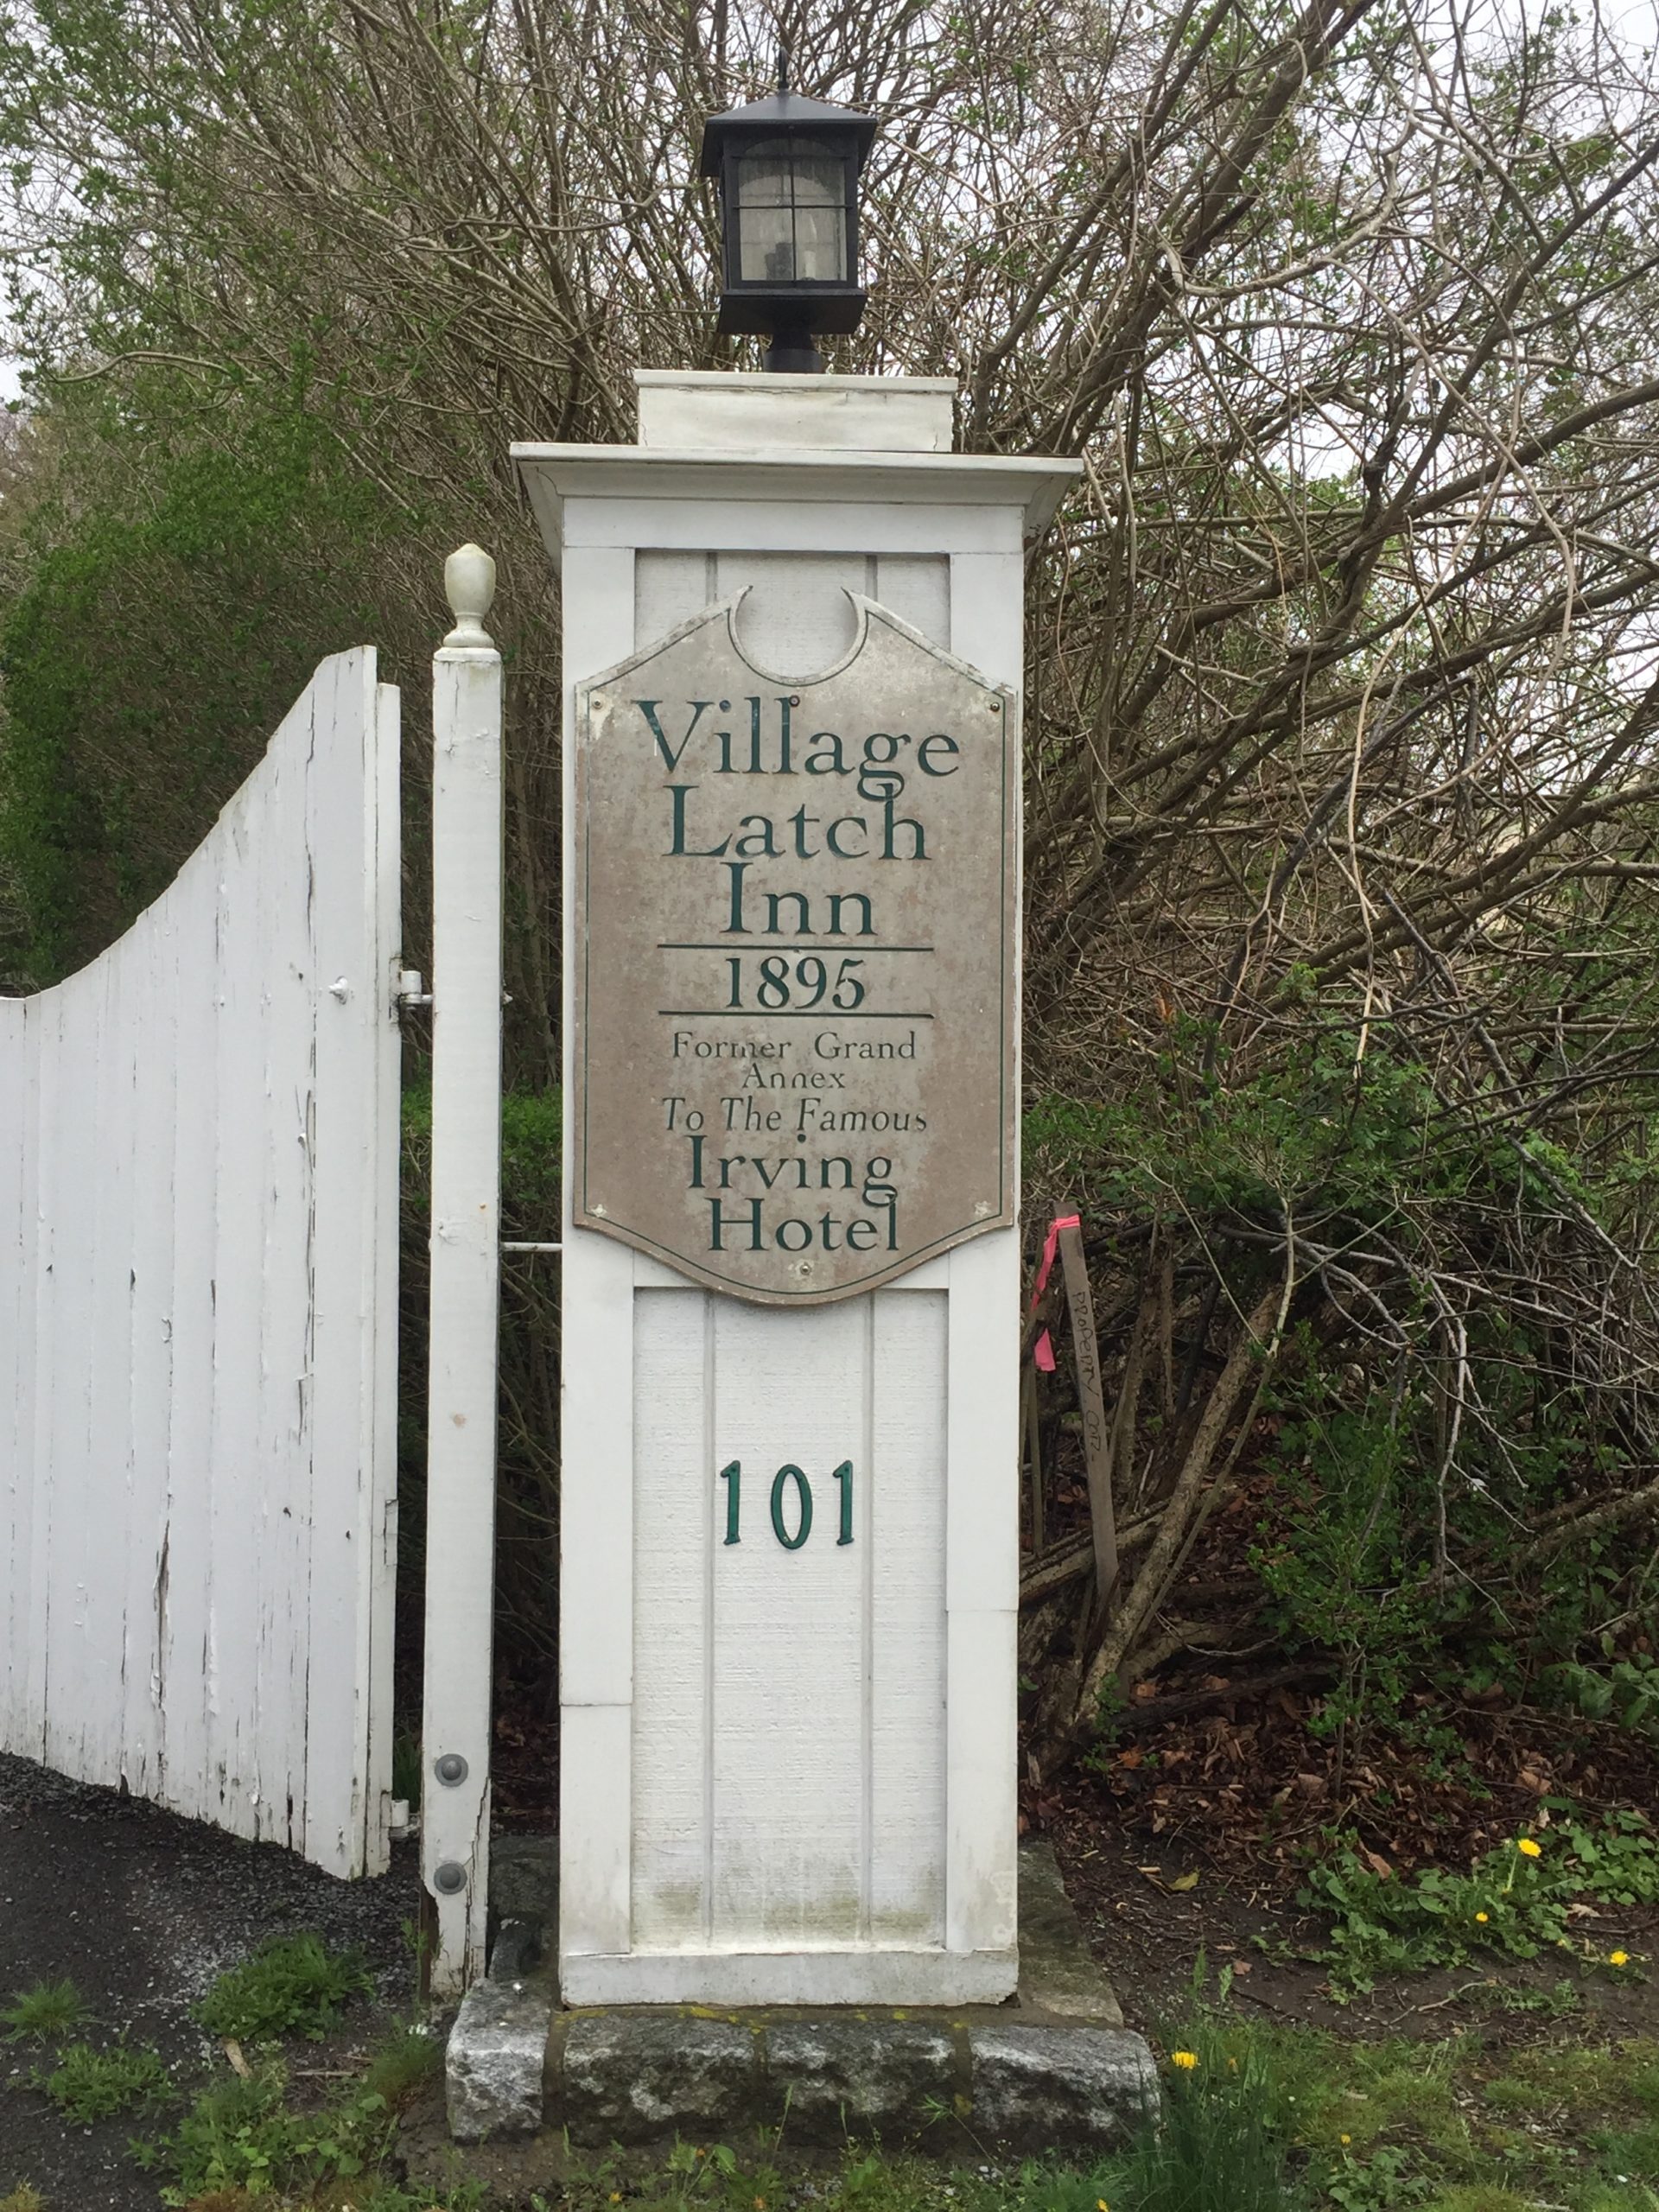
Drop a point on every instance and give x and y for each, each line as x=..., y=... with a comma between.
x=23, y=2199
x=407, y=2059
x=1513, y=1902
x=1481, y=2198
x=1559, y=2003
x=1377, y=2182
x=1216, y=2148
x=293, y=1984
x=50, y=2009
x=87, y=2084
x=241, y=2134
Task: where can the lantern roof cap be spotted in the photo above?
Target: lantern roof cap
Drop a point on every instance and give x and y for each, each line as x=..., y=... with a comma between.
x=781, y=112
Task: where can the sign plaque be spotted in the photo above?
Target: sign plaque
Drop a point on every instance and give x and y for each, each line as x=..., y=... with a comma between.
x=795, y=1002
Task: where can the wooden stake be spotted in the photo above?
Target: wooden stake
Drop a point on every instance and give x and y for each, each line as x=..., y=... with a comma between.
x=1096, y=1447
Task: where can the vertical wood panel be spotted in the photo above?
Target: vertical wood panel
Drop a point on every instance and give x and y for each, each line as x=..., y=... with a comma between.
x=283, y=1444
x=237, y=1503
x=669, y=589
x=345, y=993
x=596, y=1382
x=155, y=1106
x=379, y=1573
x=166, y=1623
x=916, y=587
x=796, y=603
x=788, y=1646
x=32, y=1737
x=905, y=1510
x=187, y=1782
x=676, y=1538
x=71, y=1687
x=19, y=1099
x=983, y=1420
x=108, y=1499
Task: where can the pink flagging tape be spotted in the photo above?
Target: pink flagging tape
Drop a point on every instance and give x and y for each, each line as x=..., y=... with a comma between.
x=1043, y=1351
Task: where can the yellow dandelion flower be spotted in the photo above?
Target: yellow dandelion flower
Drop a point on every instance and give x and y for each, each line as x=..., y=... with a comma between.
x=1186, y=2060
x=1529, y=1849
x=1232, y=2066
x=616, y=2197
x=1345, y=2139
x=1101, y=2205
x=759, y=2204
x=1618, y=1958
x=1480, y=1915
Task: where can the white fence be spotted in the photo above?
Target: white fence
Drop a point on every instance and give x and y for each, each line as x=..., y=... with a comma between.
x=197, y=1310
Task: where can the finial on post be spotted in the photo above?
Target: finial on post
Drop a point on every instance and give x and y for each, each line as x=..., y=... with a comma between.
x=470, y=585
x=782, y=65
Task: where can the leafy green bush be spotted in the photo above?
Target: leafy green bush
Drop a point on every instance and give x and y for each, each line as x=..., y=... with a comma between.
x=293, y=1984
x=124, y=735
x=1625, y=1691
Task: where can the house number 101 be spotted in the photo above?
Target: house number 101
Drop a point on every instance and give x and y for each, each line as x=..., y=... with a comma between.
x=785, y=1508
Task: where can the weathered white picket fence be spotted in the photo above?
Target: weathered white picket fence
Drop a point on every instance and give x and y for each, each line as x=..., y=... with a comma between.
x=198, y=1303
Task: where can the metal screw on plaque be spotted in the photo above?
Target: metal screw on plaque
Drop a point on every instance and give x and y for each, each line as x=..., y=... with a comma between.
x=449, y=1877
x=450, y=1768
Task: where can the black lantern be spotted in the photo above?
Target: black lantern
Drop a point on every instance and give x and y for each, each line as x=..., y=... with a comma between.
x=788, y=169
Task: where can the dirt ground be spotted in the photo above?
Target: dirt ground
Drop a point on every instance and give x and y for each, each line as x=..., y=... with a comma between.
x=1151, y=1937
x=143, y=1911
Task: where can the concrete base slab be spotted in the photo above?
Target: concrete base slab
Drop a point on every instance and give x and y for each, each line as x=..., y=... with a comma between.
x=1058, y=1974
x=1051, y=2070
x=643, y=2076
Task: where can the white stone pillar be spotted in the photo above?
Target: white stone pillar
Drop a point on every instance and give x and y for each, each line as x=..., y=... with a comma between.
x=788, y=1764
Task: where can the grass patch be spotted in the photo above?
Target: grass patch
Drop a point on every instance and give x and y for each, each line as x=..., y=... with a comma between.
x=293, y=1984
x=87, y=2085
x=50, y=2011
x=1217, y=2150
x=23, y=2199
x=1481, y=2199
x=403, y=2063
x=1258, y=2118
x=1555, y=2083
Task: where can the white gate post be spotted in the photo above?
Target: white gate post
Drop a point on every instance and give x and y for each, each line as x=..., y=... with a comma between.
x=787, y=1767
x=466, y=1263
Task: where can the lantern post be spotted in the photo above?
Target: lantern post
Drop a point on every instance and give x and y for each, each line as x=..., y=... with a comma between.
x=788, y=169
x=792, y=661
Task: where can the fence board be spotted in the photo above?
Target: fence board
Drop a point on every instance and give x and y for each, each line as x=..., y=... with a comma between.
x=198, y=1298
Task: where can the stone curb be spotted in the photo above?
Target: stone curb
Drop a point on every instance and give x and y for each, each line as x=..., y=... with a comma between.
x=496, y=2058
x=632, y=2078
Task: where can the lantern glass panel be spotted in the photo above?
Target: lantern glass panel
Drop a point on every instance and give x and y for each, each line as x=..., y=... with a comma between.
x=792, y=218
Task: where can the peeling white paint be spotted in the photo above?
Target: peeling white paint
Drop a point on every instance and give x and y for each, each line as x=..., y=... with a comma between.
x=198, y=1316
